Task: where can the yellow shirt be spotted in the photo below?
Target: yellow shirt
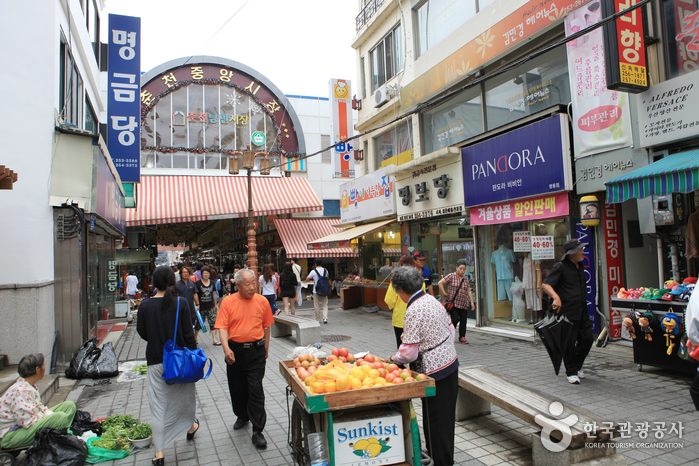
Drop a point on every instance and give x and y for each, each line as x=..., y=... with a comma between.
x=398, y=305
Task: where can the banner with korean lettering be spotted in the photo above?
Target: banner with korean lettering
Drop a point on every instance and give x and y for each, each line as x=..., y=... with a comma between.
x=540, y=207
x=615, y=264
x=529, y=161
x=586, y=234
x=624, y=47
x=123, y=96
x=603, y=117
x=367, y=197
x=342, y=128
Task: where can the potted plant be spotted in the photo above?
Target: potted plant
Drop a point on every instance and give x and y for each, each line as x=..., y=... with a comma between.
x=141, y=435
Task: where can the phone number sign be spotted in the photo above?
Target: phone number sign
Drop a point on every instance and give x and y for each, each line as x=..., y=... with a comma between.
x=542, y=248
x=522, y=241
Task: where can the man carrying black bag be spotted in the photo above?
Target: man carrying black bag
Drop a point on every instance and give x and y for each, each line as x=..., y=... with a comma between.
x=567, y=286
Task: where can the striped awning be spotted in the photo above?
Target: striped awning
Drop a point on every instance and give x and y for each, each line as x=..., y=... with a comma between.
x=677, y=173
x=296, y=234
x=391, y=251
x=187, y=198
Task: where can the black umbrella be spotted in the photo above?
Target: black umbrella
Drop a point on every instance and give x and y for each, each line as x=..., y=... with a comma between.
x=555, y=333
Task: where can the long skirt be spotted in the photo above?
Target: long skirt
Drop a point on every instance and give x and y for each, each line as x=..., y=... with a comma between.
x=172, y=407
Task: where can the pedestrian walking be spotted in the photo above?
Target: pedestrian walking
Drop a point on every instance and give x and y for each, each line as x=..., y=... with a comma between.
x=172, y=407
x=131, y=285
x=288, y=285
x=208, y=302
x=296, y=268
x=567, y=286
x=268, y=287
x=396, y=304
x=187, y=289
x=276, y=277
x=460, y=298
x=428, y=335
x=244, y=320
x=425, y=271
x=320, y=290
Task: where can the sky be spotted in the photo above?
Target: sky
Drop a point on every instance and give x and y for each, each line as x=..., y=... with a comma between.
x=299, y=45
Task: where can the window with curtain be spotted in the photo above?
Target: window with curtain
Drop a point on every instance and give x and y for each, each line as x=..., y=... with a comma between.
x=386, y=58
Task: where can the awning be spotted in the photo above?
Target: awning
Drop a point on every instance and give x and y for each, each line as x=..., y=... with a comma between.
x=678, y=173
x=189, y=198
x=342, y=238
x=296, y=234
x=391, y=251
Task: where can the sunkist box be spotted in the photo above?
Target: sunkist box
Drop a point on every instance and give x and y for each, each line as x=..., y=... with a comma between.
x=369, y=440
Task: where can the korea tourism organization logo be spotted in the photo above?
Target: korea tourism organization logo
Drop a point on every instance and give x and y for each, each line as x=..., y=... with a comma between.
x=548, y=426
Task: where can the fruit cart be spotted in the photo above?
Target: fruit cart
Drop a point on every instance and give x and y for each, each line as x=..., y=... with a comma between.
x=376, y=424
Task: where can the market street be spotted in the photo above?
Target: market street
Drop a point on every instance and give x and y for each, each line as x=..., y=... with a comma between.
x=613, y=389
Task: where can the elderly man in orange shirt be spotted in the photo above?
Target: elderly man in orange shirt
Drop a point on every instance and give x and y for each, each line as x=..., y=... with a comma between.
x=243, y=321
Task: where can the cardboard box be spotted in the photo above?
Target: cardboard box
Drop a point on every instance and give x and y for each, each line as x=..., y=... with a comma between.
x=375, y=439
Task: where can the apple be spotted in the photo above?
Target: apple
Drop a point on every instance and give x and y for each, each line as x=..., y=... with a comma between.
x=409, y=379
x=392, y=367
x=359, y=361
x=305, y=357
x=305, y=364
x=344, y=352
x=396, y=372
x=296, y=361
x=378, y=365
x=332, y=357
x=370, y=358
x=350, y=357
x=336, y=352
x=421, y=377
x=404, y=375
x=390, y=377
x=311, y=370
x=382, y=372
x=398, y=380
x=343, y=359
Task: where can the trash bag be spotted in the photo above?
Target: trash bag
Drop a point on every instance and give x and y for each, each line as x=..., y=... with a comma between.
x=82, y=422
x=93, y=362
x=98, y=455
x=53, y=447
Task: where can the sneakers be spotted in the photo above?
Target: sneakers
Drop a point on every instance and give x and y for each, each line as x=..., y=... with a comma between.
x=581, y=375
x=463, y=341
x=573, y=379
x=325, y=321
x=259, y=440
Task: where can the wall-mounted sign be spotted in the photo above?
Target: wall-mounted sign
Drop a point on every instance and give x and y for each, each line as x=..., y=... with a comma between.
x=341, y=109
x=542, y=248
x=624, y=47
x=124, y=89
x=603, y=117
x=430, y=190
x=540, y=207
x=667, y=111
x=522, y=241
x=368, y=197
x=614, y=264
x=586, y=234
x=528, y=161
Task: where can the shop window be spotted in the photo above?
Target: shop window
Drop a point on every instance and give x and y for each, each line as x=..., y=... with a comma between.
x=436, y=19
x=455, y=120
x=91, y=123
x=386, y=58
x=394, y=146
x=681, y=36
x=539, y=84
x=70, y=88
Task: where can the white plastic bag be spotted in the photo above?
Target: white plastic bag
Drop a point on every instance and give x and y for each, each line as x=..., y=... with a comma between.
x=299, y=350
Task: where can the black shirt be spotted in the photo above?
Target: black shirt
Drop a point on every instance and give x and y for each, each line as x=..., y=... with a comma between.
x=187, y=291
x=206, y=294
x=158, y=327
x=568, y=281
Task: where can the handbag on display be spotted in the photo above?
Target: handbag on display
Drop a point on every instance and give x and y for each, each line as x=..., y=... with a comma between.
x=449, y=305
x=182, y=365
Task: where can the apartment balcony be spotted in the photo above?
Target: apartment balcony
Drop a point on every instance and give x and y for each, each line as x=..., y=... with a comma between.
x=367, y=12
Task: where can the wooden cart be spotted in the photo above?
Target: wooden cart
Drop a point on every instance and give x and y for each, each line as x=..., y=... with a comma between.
x=316, y=413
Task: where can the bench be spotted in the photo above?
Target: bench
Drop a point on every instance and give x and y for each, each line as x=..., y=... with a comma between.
x=479, y=387
x=307, y=330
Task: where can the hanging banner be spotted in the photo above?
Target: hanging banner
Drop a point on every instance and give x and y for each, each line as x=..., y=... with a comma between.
x=123, y=96
x=342, y=128
x=586, y=234
x=367, y=197
x=625, y=47
x=602, y=117
x=534, y=208
x=614, y=265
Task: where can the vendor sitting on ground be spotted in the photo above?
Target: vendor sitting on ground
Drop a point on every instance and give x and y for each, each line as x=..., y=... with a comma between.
x=22, y=414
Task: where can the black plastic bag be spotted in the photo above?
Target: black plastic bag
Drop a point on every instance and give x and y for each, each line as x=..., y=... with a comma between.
x=93, y=362
x=53, y=447
x=82, y=422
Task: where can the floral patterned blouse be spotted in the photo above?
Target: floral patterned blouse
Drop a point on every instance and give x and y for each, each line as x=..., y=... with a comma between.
x=21, y=406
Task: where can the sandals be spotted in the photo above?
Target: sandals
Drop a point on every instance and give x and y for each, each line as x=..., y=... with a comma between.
x=159, y=462
x=217, y=343
x=190, y=436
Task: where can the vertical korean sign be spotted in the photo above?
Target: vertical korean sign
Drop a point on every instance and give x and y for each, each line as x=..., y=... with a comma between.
x=586, y=234
x=342, y=128
x=615, y=265
x=123, y=101
x=686, y=14
x=624, y=47
x=603, y=118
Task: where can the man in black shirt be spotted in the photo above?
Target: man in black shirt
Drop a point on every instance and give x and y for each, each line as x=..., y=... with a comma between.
x=567, y=286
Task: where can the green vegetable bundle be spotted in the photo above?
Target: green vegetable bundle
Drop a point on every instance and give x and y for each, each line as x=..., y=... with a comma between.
x=141, y=431
x=143, y=369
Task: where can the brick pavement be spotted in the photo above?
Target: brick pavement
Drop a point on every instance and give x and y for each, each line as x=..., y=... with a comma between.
x=613, y=388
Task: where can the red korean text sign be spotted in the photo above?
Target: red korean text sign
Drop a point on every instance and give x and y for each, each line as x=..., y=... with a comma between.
x=614, y=264
x=624, y=47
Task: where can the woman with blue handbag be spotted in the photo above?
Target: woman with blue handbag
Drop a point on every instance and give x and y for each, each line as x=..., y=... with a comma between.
x=173, y=407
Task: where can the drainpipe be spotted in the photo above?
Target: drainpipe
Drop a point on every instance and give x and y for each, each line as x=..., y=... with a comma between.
x=661, y=272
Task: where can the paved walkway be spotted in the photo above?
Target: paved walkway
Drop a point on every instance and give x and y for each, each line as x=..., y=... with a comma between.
x=613, y=388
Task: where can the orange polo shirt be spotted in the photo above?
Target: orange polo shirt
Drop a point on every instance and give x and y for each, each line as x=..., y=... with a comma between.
x=245, y=319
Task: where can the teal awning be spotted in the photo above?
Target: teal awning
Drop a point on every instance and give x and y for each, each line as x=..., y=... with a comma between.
x=677, y=173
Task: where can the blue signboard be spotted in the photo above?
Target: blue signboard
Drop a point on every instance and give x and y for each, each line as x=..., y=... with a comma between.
x=528, y=161
x=124, y=96
x=586, y=234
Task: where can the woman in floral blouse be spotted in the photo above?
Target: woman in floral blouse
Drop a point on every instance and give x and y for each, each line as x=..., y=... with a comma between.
x=22, y=414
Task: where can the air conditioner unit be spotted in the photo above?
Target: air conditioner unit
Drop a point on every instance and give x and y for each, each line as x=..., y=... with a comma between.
x=381, y=96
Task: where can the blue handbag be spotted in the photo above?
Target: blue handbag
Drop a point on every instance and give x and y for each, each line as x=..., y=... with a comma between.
x=182, y=365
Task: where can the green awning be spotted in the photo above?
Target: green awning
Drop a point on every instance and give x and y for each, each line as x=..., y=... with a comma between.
x=677, y=173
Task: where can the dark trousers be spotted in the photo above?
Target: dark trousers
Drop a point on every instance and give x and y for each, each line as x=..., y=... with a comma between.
x=459, y=315
x=245, y=384
x=399, y=332
x=439, y=420
x=694, y=391
x=579, y=345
